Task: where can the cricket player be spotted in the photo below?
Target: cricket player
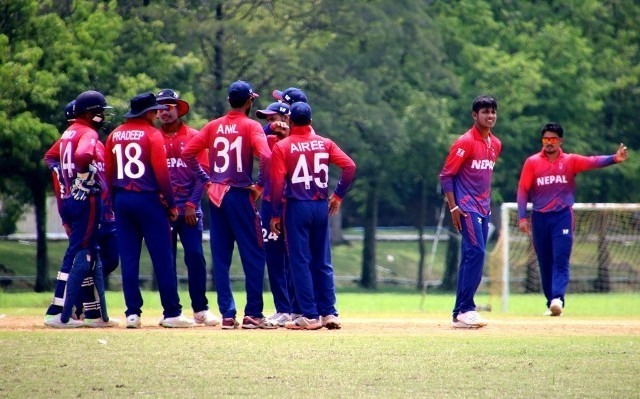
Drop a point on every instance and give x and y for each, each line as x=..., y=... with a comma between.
x=466, y=182
x=138, y=178
x=187, y=192
x=233, y=141
x=276, y=129
x=548, y=181
x=300, y=171
x=73, y=160
x=290, y=95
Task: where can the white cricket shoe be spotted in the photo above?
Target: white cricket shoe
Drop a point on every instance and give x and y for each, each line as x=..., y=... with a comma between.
x=556, y=307
x=470, y=319
x=547, y=312
x=55, y=322
x=99, y=323
x=279, y=319
x=206, y=317
x=331, y=322
x=133, y=321
x=177, y=322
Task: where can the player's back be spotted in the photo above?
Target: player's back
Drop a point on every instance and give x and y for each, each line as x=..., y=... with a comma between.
x=306, y=160
x=231, y=148
x=129, y=147
x=77, y=147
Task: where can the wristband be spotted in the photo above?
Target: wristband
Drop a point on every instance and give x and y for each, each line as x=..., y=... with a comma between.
x=454, y=208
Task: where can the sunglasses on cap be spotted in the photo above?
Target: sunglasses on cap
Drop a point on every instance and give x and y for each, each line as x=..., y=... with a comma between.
x=550, y=140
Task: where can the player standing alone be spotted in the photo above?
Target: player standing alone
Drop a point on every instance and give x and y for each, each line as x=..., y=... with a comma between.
x=301, y=161
x=548, y=180
x=233, y=141
x=466, y=182
x=138, y=177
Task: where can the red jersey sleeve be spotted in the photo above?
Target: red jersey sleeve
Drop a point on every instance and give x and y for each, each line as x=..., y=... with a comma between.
x=262, y=151
x=460, y=150
x=191, y=154
x=160, y=169
x=86, y=150
x=277, y=178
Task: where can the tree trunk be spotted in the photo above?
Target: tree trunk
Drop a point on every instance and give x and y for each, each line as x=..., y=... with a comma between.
x=532, y=283
x=369, y=279
x=335, y=229
x=450, y=277
x=420, y=225
x=38, y=190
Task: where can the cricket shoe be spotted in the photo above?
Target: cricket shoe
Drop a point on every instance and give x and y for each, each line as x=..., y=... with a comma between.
x=229, y=323
x=556, y=307
x=177, y=322
x=205, y=317
x=547, y=312
x=133, y=321
x=99, y=323
x=253, y=322
x=279, y=319
x=55, y=322
x=331, y=322
x=302, y=323
x=470, y=319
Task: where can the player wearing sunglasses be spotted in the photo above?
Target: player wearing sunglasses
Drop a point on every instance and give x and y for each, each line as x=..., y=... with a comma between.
x=548, y=182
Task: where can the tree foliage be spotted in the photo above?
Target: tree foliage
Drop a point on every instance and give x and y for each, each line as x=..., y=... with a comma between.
x=391, y=81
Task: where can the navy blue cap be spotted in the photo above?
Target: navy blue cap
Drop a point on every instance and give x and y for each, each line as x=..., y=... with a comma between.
x=240, y=91
x=143, y=103
x=169, y=96
x=301, y=113
x=274, y=108
x=69, y=112
x=290, y=95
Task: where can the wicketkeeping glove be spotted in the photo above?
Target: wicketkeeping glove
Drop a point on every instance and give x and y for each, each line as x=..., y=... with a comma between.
x=85, y=184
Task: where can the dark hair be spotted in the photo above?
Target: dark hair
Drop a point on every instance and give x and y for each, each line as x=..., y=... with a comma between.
x=235, y=103
x=552, y=127
x=481, y=102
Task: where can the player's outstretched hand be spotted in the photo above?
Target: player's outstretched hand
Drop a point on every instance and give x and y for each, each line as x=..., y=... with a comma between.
x=274, y=224
x=334, y=205
x=524, y=226
x=622, y=154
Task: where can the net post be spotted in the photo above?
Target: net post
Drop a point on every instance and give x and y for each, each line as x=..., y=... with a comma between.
x=504, y=229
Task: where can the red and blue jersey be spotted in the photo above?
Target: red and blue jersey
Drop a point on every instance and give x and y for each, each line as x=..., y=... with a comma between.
x=233, y=141
x=550, y=185
x=468, y=170
x=301, y=163
x=187, y=189
x=101, y=178
x=136, y=160
x=73, y=152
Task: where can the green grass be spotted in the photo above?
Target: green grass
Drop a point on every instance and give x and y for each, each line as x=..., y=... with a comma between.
x=425, y=359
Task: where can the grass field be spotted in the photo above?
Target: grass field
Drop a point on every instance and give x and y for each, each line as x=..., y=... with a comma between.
x=386, y=348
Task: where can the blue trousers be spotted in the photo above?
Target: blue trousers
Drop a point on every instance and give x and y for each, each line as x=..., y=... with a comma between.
x=83, y=218
x=237, y=220
x=108, y=243
x=191, y=239
x=277, y=265
x=141, y=215
x=308, y=245
x=552, y=234
x=475, y=231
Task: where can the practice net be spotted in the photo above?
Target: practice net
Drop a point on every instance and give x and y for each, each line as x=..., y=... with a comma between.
x=605, y=255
